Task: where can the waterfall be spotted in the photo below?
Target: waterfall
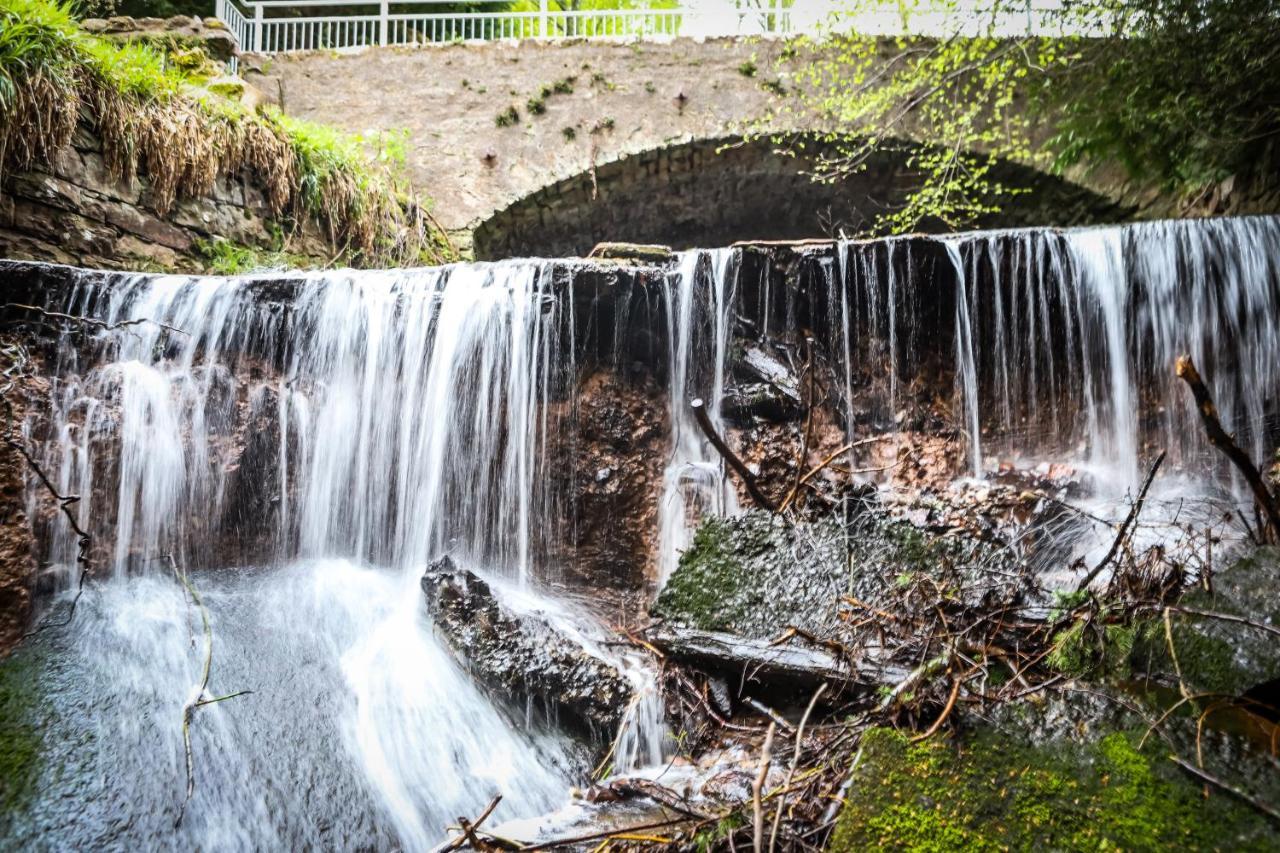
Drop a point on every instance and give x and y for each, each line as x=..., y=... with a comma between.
x=395, y=416
x=699, y=298
x=1063, y=341
x=966, y=371
x=311, y=442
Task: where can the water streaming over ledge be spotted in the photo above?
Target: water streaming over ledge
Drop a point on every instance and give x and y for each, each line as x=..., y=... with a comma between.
x=1064, y=341
x=399, y=415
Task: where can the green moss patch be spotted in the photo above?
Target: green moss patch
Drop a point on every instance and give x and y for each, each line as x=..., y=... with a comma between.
x=703, y=590
x=21, y=744
x=1216, y=655
x=994, y=792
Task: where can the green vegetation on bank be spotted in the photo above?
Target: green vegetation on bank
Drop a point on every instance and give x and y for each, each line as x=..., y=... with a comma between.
x=994, y=792
x=172, y=119
x=1181, y=93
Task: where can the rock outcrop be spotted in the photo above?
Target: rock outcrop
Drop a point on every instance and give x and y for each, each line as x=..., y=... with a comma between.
x=209, y=35
x=77, y=213
x=518, y=655
x=1225, y=639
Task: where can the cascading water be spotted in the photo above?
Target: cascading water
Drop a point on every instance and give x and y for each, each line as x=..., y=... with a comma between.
x=699, y=307
x=336, y=432
x=406, y=424
x=1064, y=340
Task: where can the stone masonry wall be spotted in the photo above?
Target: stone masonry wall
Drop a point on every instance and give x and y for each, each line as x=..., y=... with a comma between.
x=75, y=213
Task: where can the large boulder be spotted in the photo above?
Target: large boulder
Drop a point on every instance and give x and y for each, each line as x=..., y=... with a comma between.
x=759, y=574
x=521, y=654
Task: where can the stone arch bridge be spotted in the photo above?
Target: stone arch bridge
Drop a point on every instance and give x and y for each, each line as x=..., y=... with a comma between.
x=638, y=142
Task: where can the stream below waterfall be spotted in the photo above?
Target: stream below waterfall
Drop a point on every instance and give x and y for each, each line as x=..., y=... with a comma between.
x=303, y=446
x=360, y=732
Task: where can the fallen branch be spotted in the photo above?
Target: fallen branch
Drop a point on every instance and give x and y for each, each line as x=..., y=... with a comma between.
x=795, y=762
x=766, y=758
x=200, y=696
x=731, y=458
x=1124, y=528
x=770, y=713
x=808, y=432
x=836, y=454
x=946, y=712
x=659, y=794
x=1230, y=789
x=90, y=321
x=469, y=827
x=606, y=833
x=1220, y=438
x=65, y=502
x=925, y=671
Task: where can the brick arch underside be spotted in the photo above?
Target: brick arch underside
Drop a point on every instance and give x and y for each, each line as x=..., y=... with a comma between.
x=715, y=192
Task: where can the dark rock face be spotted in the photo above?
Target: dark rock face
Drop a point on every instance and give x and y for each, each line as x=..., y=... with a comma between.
x=615, y=447
x=17, y=541
x=518, y=655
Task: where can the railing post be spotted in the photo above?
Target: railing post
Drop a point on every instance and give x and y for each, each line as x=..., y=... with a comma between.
x=543, y=8
x=257, y=27
x=383, y=11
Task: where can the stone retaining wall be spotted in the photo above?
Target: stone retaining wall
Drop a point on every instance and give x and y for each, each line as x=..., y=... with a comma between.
x=76, y=213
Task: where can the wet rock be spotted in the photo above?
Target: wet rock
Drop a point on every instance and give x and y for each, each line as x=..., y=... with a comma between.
x=767, y=388
x=517, y=655
x=17, y=540
x=777, y=666
x=1219, y=655
x=643, y=253
x=613, y=444
x=757, y=575
x=746, y=401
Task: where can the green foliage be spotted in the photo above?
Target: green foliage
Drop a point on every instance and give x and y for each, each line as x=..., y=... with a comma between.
x=1187, y=95
x=774, y=87
x=223, y=257
x=994, y=792
x=1065, y=601
x=508, y=117
x=748, y=68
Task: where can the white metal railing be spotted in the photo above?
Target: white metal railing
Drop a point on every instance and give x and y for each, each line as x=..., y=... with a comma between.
x=280, y=26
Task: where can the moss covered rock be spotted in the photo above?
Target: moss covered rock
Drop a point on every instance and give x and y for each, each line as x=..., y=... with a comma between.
x=995, y=792
x=757, y=574
x=1215, y=655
